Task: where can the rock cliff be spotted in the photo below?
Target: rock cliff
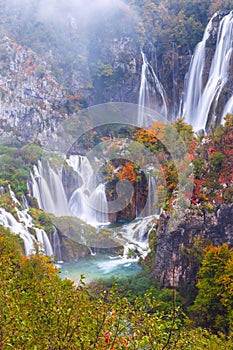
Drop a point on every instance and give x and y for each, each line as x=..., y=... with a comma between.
x=178, y=252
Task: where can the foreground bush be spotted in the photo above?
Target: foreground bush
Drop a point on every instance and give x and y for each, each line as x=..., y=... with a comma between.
x=38, y=310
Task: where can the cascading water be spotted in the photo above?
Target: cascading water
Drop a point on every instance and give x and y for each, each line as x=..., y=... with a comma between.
x=151, y=198
x=8, y=221
x=22, y=228
x=227, y=109
x=137, y=234
x=147, y=93
x=56, y=243
x=199, y=104
x=88, y=202
x=194, y=80
x=44, y=243
x=48, y=189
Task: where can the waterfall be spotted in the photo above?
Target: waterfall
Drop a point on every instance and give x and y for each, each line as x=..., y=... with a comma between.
x=227, y=109
x=199, y=103
x=22, y=228
x=151, y=197
x=136, y=235
x=194, y=80
x=57, y=246
x=45, y=245
x=8, y=221
x=48, y=189
x=147, y=94
x=88, y=202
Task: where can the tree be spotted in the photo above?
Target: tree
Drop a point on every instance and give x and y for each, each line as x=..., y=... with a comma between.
x=213, y=306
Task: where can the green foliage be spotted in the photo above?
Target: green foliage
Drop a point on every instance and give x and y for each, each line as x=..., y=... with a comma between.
x=38, y=310
x=42, y=219
x=103, y=70
x=216, y=160
x=214, y=303
x=15, y=165
x=7, y=203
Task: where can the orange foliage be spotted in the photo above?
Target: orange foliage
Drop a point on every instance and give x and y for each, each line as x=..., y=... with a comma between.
x=127, y=172
x=158, y=130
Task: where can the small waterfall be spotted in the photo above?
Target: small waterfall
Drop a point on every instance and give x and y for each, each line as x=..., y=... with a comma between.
x=147, y=94
x=22, y=227
x=41, y=235
x=136, y=236
x=48, y=189
x=151, y=197
x=199, y=104
x=57, y=246
x=227, y=109
x=13, y=196
x=45, y=245
x=8, y=221
x=194, y=80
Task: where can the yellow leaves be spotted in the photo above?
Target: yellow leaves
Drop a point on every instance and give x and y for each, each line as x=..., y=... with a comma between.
x=158, y=130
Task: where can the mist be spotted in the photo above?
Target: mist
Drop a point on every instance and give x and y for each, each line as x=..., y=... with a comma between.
x=74, y=37
x=56, y=10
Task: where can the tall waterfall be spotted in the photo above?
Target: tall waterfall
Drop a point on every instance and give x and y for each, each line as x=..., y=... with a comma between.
x=200, y=102
x=194, y=80
x=148, y=90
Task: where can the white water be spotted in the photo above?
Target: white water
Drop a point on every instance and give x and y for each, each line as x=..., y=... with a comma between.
x=135, y=236
x=45, y=246
x=22, y=226
x=56, y=244
x=194, y=80
x=48, y=189
x=151, y=198
x=147, y=94
x=227, y=109
x=88, y=202
x=200, y=102
x=8, y=221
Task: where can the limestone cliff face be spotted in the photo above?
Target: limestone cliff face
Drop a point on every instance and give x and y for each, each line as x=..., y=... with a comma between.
x=32, y=101
x=178, y=252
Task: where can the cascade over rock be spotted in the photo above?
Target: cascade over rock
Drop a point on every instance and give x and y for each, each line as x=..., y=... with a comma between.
x=149, y=88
